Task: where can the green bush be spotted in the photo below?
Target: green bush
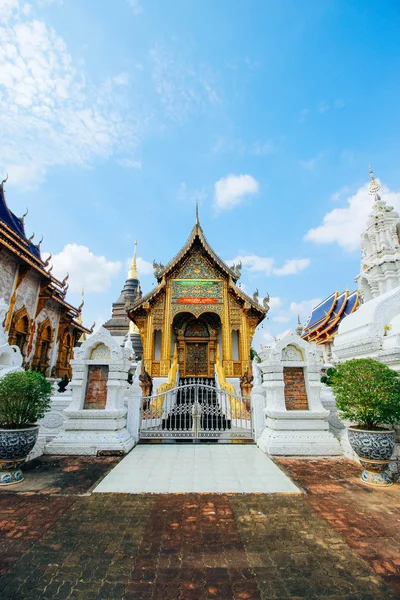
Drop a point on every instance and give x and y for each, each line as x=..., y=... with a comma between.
x=328, y=378
x=24, y=399
x=367, y=392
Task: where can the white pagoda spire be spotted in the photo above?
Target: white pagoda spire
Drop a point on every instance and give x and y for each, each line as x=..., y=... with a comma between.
x=380, y=248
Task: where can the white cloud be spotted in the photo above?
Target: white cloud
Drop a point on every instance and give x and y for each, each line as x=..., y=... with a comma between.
x=344, y=226
x=144, y=267
x=136, y=7
x=254, y=264
x=184, y=89
x=233, y=189
x=293, y=266
x=50, y=112
x=309, y=164
x=130, y=164
x=275, y=302
x=281, y=319
x=242, y=148
x=190, y=196
x=323, y=107
x=304, y=308
x=303, y=115
x=87, y=270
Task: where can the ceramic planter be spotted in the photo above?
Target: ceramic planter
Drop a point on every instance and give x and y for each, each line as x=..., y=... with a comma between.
x=15, y=445
x=374, y=449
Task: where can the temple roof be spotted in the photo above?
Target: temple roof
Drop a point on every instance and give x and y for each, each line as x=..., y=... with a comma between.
x=325, y=318
x=13, y=237
x=197, y=232
x=16, y=224
x=197, y=235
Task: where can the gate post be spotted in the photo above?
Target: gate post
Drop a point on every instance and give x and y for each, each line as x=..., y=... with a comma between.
x=196, y=413
x=134, y=415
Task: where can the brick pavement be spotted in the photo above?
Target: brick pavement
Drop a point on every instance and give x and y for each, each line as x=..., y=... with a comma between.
x=195, y=546
x=367, y=518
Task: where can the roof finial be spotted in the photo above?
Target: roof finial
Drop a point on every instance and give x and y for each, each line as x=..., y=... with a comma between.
x=4, y=181
x=23, y=216
x=133, y=273
x=299, y=328
x=79, y=318
x=374, y=186
x=197, y=213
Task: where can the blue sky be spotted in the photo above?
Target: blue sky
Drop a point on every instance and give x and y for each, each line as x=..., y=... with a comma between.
x=117, y=116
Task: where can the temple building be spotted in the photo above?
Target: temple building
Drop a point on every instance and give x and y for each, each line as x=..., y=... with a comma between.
x=39, y=320
x=119, y=325
x=323, y=323
x=197, y=318
x=379, y=276
x=380, y=248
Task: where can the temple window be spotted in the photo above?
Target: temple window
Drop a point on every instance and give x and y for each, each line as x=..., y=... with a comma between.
x=44, y=350
x=157, y=344
x=41, y=360
x=235, y=345
x=20, y=330
x=67, y=350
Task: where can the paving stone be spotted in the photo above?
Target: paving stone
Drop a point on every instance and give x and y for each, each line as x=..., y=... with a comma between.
x=336, y=541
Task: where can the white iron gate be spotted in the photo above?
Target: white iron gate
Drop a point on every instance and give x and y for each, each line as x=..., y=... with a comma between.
x=196, y=409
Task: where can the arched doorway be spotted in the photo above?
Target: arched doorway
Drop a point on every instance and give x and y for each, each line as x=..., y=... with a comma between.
x=196, y=339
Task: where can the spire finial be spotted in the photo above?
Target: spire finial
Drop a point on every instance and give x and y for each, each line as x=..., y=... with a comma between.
x=4, y=181
x=79, y=319
x=133, y=273
x=197, y=213
x=374, y=186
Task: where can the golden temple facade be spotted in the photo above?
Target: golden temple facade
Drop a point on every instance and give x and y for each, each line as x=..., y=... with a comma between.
x=198, y=314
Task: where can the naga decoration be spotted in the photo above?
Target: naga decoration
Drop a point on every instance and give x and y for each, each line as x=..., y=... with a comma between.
x=32, y=236
x=41, y=240
x=255, y=296
x=64, y=281
x=22, y=219
x=81, y=306
x=246, y=383
x=237, y=269
x=145, y=381
x=50, y=270
x=92, y=327
x=266, y=302
x=66, y=289
x=158, y=269
x=48, y=259
x=4, y=181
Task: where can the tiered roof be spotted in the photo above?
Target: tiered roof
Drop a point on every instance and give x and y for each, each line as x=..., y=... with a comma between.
x=13, y=237
x=197, y=236
x=325, y=318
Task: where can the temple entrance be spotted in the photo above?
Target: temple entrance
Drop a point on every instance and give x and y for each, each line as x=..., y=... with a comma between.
x=196, y=410
x=196, y=340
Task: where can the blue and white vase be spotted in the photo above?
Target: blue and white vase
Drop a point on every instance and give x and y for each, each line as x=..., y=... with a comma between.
x=374, y=449
x=15, y=445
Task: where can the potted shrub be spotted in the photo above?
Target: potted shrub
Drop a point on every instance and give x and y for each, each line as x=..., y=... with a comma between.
x=368, y=394
x=24, y=399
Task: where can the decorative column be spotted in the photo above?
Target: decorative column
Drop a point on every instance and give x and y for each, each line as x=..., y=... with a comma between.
x=226, y=336
x=165, y=362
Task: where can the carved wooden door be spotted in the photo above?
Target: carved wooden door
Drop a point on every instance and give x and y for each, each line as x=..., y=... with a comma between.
x=196, y=359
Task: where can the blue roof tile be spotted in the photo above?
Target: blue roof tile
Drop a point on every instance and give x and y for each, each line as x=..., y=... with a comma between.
x=319, y=312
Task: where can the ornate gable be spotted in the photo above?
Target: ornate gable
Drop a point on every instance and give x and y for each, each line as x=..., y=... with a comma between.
x=196, y=265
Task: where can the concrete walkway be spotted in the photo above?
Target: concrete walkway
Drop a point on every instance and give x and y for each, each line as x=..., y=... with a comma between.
x=214, y=468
